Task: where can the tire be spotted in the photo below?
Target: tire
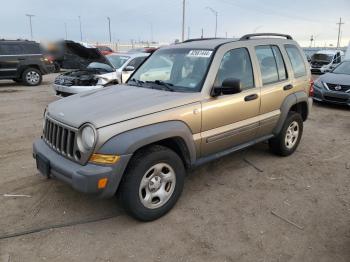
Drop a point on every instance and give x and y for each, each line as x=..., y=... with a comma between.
x=31, y=77
x=142, y=184
x=293, y=128
x=57, y=67
x=17, y=80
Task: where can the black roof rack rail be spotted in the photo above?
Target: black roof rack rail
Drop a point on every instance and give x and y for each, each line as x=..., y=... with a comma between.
x=200, y=39
x=248, y=36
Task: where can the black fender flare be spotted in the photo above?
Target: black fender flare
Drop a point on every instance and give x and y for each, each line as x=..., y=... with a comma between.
x=287, y=104
x=128, y=142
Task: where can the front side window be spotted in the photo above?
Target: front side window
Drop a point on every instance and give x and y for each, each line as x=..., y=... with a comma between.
x=271, y=63
x=182, y=69
x=296, y=60
x=117, y=60
x=236, y=64
x=11, y=49
x=136, y=62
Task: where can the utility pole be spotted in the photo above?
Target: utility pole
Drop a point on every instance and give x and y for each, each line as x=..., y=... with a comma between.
x=339, y=27
x=109, y=29
x=183, y=19
x=81, y=32
x=188, y=32
x=202, y=33
x=216, y=18
x=65, y=30
x=30, y=25
x=311, y=39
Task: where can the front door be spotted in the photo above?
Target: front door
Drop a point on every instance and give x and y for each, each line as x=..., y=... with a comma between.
x=231, y=120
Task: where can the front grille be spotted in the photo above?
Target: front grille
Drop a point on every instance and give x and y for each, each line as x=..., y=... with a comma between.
x=339, y=88
x=63, y=81
x=60, y=137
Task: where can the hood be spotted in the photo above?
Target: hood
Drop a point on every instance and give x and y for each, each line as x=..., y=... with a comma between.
x=338, y=79
x=115, y=104
x=83, y=54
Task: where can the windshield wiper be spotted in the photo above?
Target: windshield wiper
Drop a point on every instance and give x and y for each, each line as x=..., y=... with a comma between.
x=168, y=86
x=139, y=83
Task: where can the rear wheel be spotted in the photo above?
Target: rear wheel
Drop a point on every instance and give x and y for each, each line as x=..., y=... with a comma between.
x=31, y=77
x=153, y=183
x=288, y=139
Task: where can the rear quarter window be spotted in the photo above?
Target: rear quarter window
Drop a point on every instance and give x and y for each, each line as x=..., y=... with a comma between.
x=296, y=60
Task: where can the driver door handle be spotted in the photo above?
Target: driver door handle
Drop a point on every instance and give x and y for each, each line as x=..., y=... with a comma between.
x=287, y=87
x=251, y=97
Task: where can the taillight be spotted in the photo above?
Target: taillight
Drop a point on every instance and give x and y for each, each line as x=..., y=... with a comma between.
x=311, y=90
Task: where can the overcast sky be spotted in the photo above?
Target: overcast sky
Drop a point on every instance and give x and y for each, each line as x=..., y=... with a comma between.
x=161, y=19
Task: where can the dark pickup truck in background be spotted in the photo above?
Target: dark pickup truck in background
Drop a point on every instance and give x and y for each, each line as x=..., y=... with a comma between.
x=23, y=61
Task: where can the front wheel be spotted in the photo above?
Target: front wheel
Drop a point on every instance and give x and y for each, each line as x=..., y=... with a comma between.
x=286, y=142
x=152, y=183
x=31, y=77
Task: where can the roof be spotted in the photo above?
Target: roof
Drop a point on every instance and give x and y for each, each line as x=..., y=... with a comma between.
x=203, y=43
x=212, y=43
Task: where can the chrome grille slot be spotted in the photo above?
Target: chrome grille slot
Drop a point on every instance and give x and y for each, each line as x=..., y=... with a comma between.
x=60, y=137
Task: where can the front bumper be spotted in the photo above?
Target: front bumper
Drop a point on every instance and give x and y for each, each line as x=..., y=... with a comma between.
x=70, y=90
x=82, y=178
x=341, y=98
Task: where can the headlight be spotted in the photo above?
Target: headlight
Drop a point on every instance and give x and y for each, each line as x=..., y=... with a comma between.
x=318, y=83
x=88, y=137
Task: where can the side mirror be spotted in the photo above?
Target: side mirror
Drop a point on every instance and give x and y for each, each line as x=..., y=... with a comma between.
x=129, y=69
x=229, y=86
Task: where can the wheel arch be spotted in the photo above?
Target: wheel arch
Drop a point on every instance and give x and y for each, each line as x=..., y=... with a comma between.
x=175, y=135
x=297, y=102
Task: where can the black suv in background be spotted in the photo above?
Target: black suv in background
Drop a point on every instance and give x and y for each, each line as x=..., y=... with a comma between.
x=23, y=61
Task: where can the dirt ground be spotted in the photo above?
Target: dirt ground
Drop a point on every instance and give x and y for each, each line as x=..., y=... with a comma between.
x=234, y=209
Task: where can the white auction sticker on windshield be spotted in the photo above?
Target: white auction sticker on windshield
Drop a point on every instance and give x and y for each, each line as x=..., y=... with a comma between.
x=199, y=53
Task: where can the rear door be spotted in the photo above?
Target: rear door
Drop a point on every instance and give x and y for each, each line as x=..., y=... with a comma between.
x=275, y=83
x=10, y=58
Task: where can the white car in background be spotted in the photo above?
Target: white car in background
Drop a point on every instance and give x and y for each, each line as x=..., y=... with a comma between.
x=98, y=72
x=325, y=60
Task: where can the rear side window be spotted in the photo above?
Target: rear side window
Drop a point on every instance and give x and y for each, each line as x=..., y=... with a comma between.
x=271, y=63
x=236, y=64
x=10, y=49
x=296, y=60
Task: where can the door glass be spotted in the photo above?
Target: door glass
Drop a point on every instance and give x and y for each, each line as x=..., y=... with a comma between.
x=268, y=65
x=236, y=63
x=296, y=60
x=282, y=72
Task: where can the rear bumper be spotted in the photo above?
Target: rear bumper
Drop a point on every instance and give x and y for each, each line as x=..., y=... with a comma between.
x=82, y=178
x=74, y=89
x=334, y=97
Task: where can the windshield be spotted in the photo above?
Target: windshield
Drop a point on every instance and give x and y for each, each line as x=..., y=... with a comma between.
x=343, y=68
x=100, y=66
x=182, y=69
x=117, y=60
x=322, y=57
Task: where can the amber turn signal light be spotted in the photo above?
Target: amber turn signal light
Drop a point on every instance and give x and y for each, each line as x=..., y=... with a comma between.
x=102, y=183
x=104, y=159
